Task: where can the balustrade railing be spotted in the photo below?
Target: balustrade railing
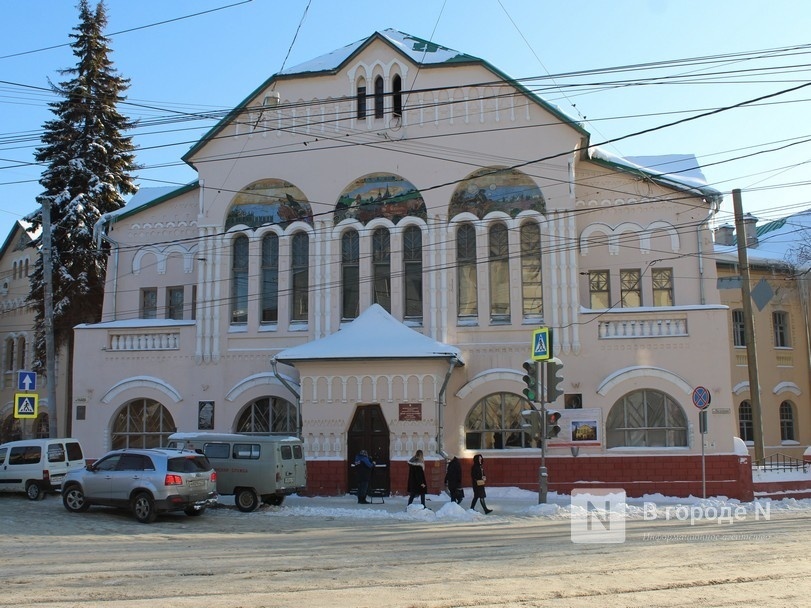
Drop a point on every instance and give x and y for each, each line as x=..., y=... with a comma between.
x=148, y=340
x=642, y=328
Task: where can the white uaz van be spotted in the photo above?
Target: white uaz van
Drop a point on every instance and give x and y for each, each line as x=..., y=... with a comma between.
x=250, y=467
x=37, y=466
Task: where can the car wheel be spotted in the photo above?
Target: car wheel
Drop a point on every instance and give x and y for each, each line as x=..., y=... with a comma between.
x=274, y=501
x=34, y=491
x=194, y=511
x=246, y=500
x=143, y=507
x=74, y=500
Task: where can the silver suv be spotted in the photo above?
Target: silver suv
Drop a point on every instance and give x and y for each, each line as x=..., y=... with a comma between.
x=146, y=481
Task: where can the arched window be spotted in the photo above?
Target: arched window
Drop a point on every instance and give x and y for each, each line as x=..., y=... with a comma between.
x=646, y=418
x=14, y=271
x=268, y=415
x=495, y=423
x=379, y=97
x=361, y=98
x=467, y=282
x=745, y=428
x=381, y=267
x=350, y=275
x=9, y=355
x=412, y=272
x=142, y=423
x=531, y=273
x=11, y=429
x=21, y=352
x=786, y=421
x=239, y=280
x=499, y=266
x=26, y=267
x=397, y=95
x=270, y=278
x=300, y=276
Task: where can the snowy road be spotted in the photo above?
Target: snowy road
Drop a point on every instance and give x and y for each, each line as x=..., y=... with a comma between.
x=331, y=552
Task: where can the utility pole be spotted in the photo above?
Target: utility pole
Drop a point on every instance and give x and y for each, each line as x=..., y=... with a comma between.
x=48, y=317
x=748, y=327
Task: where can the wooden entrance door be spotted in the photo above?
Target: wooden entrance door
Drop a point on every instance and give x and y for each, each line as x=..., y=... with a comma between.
x=369, y=432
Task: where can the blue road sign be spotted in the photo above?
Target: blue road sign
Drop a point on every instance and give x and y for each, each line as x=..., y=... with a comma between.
x=701, y=397
x=542, y=344
x=26, y=405
x=26, y=381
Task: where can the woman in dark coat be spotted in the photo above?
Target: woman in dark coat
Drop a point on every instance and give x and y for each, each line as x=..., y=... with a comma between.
x=478, y=478
x=416, y=478
x=453, y=479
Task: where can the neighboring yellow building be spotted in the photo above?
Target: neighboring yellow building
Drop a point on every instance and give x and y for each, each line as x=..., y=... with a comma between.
x=780, y=298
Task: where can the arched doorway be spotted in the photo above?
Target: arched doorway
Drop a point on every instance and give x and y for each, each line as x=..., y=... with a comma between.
x=369, y=432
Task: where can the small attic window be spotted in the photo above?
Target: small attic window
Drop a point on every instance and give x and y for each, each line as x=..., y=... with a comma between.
x=361, y=99
x=397, y=95
x=379, y=98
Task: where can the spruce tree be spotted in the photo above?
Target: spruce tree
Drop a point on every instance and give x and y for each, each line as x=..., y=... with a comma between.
x=88, y=160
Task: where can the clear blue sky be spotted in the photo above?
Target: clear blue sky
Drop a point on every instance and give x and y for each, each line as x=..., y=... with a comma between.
x=214, y=60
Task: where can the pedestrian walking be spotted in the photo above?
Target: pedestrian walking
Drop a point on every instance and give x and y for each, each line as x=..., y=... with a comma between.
x=453, y=480
x=478, y=478
x=363, y=473
x=417, y=485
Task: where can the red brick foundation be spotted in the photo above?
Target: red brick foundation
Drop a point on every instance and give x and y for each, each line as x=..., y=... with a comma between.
x=726, y=475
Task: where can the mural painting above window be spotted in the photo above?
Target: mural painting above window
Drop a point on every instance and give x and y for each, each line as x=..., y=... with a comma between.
x=496, y=189
x=266, y=202
x=380, y=195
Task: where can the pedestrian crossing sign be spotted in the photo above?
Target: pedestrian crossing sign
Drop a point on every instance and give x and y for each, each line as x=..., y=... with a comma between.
x=542, y=344
x=26, y=405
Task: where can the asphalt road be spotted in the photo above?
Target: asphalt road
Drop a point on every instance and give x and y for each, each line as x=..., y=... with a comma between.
x=104, y=558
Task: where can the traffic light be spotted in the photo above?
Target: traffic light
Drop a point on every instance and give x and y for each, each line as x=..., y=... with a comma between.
x=552, y=426
x=554, y=379
x=531, y=380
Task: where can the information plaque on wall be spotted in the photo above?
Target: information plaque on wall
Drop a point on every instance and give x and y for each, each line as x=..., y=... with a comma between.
x=410, y=411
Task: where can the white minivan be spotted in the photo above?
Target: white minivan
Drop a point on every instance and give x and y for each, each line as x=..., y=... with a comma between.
x=252, y=468
x=37, y=466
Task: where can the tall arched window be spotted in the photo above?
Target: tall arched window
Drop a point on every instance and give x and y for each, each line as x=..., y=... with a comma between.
x=270, y=278
x=381, y=267
x=350, y=275
x=300, y=277
x=397, y=95
x=42, y=426
x=361, y=98
x=646, y=418
x=239, y=280
x=786, y=422
x=412, y=272
x=531, y=273
x=9, y=355
x=142, y=423
x=467, y=282
x=379, y=97
x=496, y=423
x=745, y=425
x=21, y=352
x=499, y=266
x=268, y=415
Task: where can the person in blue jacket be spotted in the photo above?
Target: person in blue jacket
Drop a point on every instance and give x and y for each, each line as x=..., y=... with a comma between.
x=363, y=471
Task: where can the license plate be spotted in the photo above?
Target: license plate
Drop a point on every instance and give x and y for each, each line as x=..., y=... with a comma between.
x=197, y=483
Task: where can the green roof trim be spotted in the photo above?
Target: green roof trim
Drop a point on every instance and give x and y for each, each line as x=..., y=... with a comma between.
x=125, y=212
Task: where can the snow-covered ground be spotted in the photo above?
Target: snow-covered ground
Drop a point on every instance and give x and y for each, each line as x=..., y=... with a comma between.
x=517, y=503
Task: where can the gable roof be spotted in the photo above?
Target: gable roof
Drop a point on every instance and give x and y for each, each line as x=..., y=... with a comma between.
x=374, y=334
x=11, y=239
x=423, y=53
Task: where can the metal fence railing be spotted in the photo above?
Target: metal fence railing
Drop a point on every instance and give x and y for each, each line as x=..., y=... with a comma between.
x=780, y=462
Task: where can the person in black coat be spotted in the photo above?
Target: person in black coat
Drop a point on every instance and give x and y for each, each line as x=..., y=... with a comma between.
x=478, y=479
x=363, y=471
x=416, y=478
x=453, y=479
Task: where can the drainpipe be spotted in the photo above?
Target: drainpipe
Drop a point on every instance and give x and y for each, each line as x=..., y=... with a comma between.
x=100, y=234
x=440, y=417
x=283, y=380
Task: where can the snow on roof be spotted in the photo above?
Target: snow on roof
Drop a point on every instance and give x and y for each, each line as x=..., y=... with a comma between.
x=775, y=241
x=422, y=52
x=146, y=195
x=681, y=170
x=375, y=334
